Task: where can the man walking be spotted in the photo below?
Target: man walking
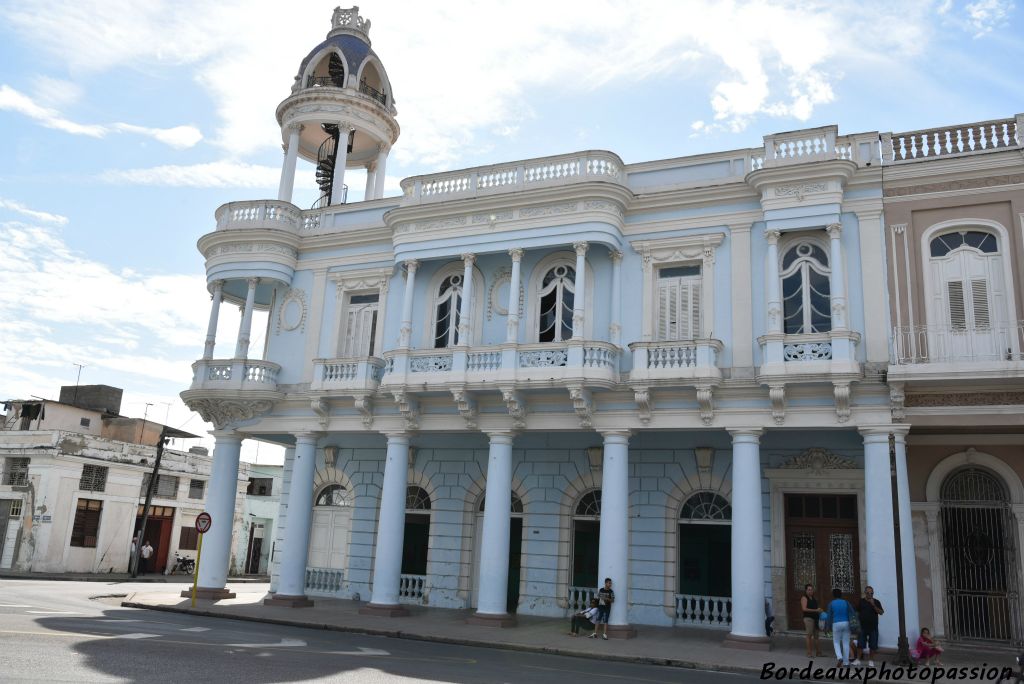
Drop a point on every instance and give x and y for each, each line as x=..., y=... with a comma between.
x=147, y=555
x=605, y=598
x=868, y=611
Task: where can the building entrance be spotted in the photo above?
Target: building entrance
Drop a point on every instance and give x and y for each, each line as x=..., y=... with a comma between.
x=822, y=549
x=158, y=533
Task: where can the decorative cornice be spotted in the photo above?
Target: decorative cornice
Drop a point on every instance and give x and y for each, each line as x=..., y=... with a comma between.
x=819, y=460
x=964, y=399
x=950, y=186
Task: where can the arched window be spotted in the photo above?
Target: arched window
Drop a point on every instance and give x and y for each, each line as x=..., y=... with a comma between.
x=557, y=294
x=517, y=504
x=805, y=289
x=416, y=499
x=590, y=504
x=416, y=540
x=972, y=485
x=332, y=495
x=705, y=506
x=705, y=549
x=586, y=538
x=446, y=312
x=966, y=264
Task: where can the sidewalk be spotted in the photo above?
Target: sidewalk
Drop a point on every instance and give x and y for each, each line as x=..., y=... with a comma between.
x=115, y=577
x=674, y=646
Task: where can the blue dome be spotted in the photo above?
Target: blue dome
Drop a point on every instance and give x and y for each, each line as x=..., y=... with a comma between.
x=355, y=50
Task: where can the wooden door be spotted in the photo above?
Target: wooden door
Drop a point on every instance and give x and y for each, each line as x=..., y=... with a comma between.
x=822, y=549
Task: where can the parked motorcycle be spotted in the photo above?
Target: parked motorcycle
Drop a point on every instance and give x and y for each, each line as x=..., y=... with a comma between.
x=184, y=564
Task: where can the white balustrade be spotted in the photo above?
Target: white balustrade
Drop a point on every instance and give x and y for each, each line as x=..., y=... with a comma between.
x=324, y=581
x=258, y=214
x=483, y=361
x=411, y=588
x=261, y=372
x=972, y=138
x=945, y=344
x=347, y=374
x=672, y=356
x=339, y=371
x=579, y=598
x=807, y=351
x=798, y=147
x=600, y=357
x=237, y=374
x=433, y=363
x=676, y=360
x=543, y=358
x=703, y=611
x=218, y=371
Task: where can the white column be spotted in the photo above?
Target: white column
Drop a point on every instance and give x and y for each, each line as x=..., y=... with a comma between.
x=742, y=292
x=774, y=310
x=340, y=160
x=387, y=565
x=281, y=524
x=580, y=286
x=291, y=156
x=912, y=612
x=292, y=583
x=615, y=328
x=747, y=538
x=405, y=336
x=220, y=504
x=837, y=281
x=211, y=329
x=881, y=560
x=512, y=331
x=613, y=553
x=466, y=306
x=245, y=327
x=368, y=193
x=378, y=183
x=497, y=520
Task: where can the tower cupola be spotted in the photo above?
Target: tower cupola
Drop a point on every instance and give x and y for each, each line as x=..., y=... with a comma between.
x=341, y=113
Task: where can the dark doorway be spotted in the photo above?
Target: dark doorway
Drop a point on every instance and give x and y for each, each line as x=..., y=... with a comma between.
x=254, y=552
x=416, y=544
x=515, y=549
x=586, y=539
x=158, y=533
x=822, y=549
x=705, y=560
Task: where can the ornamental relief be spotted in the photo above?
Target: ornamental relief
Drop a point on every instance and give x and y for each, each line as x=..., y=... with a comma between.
x=967, y=184
x=291, y=315
x=800, y=190
x=497, y=300
x=549, y=210
x=819, y=460
x=222, y=412
x=964, y=399
x=253, y=248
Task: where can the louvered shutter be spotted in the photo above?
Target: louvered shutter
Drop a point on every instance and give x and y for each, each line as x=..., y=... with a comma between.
x=678, y=308
x=360, y=329
x=979, y=303
x=957, y=309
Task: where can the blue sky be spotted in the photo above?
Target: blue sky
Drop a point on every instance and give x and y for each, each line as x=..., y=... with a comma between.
x=124, y=125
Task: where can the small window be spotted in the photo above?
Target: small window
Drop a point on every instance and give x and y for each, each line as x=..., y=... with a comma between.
x=196, y=489
x=678, y=271
x=417, y=499
x=166, y=486
x=331, y=495
x=678, y=295
x=361, y=326
x=84, y=422
x=188, y=539
x=590, y=504
x=706, y=506
x=16, y=471
x=94, y=478
x=260, y=486
x=944, y=244
x=15, y=508
x=87, y=523
x=156, y=511
x=365, y=299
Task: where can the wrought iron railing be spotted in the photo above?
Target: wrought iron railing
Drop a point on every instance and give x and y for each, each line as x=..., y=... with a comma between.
x=913, y=344
x=323, y=82
x=367, y=89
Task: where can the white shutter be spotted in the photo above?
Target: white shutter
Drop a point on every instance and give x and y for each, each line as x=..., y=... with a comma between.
x=360, y=330
x=979, y=302
x=678, y=308
x=957, y=310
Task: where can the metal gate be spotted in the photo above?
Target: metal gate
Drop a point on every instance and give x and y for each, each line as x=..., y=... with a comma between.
x=980, y=558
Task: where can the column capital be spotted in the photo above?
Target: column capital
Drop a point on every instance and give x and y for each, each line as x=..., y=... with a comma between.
x=772, y=236
x=868, y=214
x=217, y=285
x=615, y=255
x=740, y=228
x=371, y=166
x=307, y=437
x=746, y=435
x=397, y=437
x=898, y=228
x=581, y=248
x=834, y=230
x=882, y=432
x=468, y=259
x=253, y=282
x=616, y=436
x=501, y=437
x=226, y=436
x=411, y=265
x=295, y=127
x=516, y=253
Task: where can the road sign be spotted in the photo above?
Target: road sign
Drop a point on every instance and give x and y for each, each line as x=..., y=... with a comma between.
x=203, y=522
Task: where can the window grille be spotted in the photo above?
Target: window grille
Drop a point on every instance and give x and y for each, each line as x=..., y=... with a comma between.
x=590, y=504
x=87, y=523
x=15, y=508
x=16, y=471
x=706, y=506
x=332, y=495
x=806, y=289
x=983, y=242
x=94, y=478
x=166, y=486
x=417, y=499
x=446, y=312
x=196, y=489
x=260, y=486
x=557, y=299
x=85, y=422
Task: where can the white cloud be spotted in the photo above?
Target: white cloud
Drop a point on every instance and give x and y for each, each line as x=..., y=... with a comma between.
x=12, y=100
x=219, y=174
x=31, y=213
x=985, y=15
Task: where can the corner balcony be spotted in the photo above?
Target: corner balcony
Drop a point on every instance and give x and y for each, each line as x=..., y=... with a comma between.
x=938, y=352
x=262, y=215
x=347, y=376
x=235, y=375
x=676, y=362
x=521, y=366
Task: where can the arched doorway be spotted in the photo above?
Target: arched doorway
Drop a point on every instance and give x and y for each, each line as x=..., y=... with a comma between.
x=515, y=550
x=417, y=531
x=586, y=539
x=705, y=558
x=979, y=557
x=329, y=530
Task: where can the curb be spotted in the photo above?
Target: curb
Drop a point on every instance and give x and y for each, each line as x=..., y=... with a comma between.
x=399, y=634
x=162, y=579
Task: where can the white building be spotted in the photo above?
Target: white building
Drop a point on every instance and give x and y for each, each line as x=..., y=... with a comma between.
x=669, y=373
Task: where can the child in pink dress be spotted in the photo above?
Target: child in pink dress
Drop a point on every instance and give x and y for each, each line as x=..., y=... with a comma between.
x=927, y=648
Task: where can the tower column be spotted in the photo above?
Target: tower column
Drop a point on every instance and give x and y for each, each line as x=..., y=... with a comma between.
x=291, y=156
x=774, y=311
x=220, y=504
x=405, y=334
x=245, y=326
x=466, y=304
x=291, y=586
x=370, y=176
x=387, y=564
x=615, y=327
x=580, y=286
x=211, y=329
x=747, y=543
x=837, y=281
x=340, y=160
x=492, y=608
x=910, y=602
x=378, y=183
x=512, y=331
x=613, y=548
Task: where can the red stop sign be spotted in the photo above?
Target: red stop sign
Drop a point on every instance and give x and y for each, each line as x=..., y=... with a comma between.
x=203, y=522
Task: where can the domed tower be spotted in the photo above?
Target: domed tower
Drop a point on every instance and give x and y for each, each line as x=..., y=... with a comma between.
x=341, y=113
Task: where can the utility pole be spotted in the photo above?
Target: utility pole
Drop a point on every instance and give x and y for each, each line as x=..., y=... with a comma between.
x=134, y=569
x=902, y=645
x=78, y=380
x=142, y=434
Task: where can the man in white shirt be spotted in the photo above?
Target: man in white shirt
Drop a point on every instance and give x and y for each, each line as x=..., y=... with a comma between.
x=584, y=618
x=147, y=555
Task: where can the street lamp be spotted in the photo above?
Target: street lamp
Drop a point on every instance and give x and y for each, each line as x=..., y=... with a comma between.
x=902, y=645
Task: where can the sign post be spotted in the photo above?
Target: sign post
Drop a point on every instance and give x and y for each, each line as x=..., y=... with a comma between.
x=203, y=524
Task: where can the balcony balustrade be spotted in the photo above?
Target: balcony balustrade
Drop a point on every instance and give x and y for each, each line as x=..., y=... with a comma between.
x=966, y=347
x=324, y=581
x=259, y=214
x=359, y=375
x=676, y=360
x=960, y=140
x=234, y=374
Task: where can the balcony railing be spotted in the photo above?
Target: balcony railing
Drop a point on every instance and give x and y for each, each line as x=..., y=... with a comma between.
x=259, y=214
x=703, y=611
x=675, y=360
x=514, y=177
x=919, y=344
x=411, y=588
x=361, y=374
x=324, y=581
x=322, y=82
x=963, y=139
x=234, y=374
x=367, y=89
x=579, y=598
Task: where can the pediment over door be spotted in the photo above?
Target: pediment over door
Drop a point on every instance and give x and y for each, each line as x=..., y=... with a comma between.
x=817, y=461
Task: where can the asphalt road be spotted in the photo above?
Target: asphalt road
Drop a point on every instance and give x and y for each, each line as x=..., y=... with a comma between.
x=63, y=632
